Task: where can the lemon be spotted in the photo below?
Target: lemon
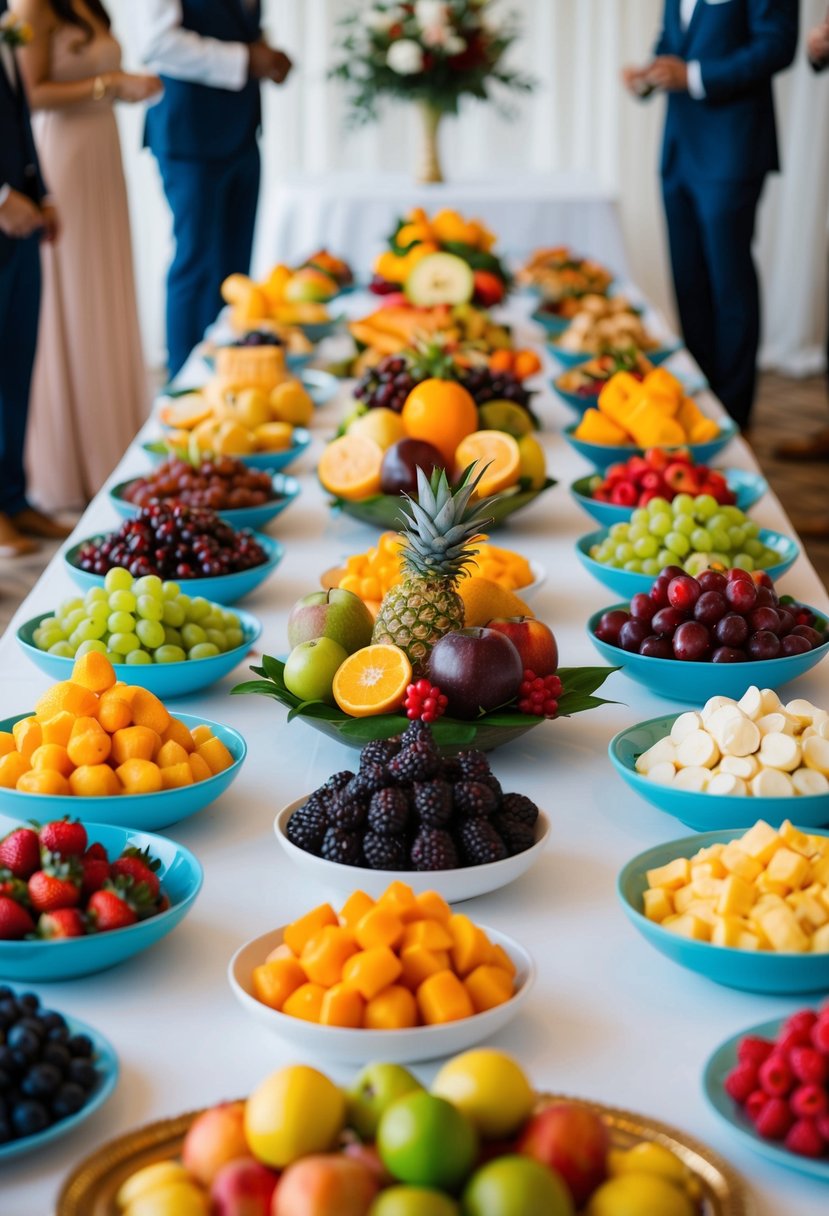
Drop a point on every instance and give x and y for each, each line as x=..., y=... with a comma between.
x=491, y=1090
x=289, y=402
x=148, y=1179
x=483, y=599
x=172, y=1199
x=649, y=1158
x=383, y=426
x=505, y=416
x=639, y=1195
x=533, y=462
x=294, y=1112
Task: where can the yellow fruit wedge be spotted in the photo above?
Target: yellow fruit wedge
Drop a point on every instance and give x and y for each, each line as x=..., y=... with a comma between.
x=350, y=467
x=498, y=451
x=372, y=681
x=483, y=600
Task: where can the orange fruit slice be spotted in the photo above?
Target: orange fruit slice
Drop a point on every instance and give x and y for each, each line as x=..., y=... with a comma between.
x=441, y=412
x=372, y=681
x=496, y=449
x=350, y=467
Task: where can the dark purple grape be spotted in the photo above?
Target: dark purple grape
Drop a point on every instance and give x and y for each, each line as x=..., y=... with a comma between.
x=712, y=580
x=766, y=597
x=632, y=635
x=666, y=620
x=764, y=618
x=669, y=572
x=732, y=630
x=691, y=642
x=659, y=592
x=794, y=644
x=763, y=645
x=741, y=595
x=787, y=622
x=642, y=607
x=728, y=654
x=655, y=647
x=811, y=635
x=710, y=607
x=609, y=625
x=683, y=592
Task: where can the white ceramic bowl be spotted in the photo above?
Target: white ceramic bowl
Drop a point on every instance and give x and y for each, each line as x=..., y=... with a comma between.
x=393, y=1046
x=539, y=574
x=453, y=885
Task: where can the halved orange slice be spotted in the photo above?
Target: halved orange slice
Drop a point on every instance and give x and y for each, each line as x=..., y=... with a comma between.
x=372, y=681
x=350, y=467
x=496, y=449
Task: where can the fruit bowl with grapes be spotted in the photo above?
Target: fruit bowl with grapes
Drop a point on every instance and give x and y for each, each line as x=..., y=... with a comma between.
x=694, y=533
x=192, y=545
x=689, y=638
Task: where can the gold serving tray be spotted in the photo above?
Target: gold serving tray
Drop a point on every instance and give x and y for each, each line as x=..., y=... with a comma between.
x=91, y=1188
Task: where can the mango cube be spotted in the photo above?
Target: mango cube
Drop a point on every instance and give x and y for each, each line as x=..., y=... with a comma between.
x=342, y=1005
x=326, y=953
x=355, y=908
x=393, y=1008
x=675, y=874
x=305, y=1003
x=379, y=927
x=273, y=982
x=488, y=986
x=302, y=930
x=215, y=755
x=443, y=998
x=657, y=905
x=370, y=971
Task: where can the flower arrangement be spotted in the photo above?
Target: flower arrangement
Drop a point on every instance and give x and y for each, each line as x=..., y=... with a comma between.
x=417, y=235
x=14, y=31
x=433, y=52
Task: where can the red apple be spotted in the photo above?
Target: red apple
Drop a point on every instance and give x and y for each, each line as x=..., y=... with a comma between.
x=243, y=1187
x=477, y=669
x=572, y=1140
x=533, y=640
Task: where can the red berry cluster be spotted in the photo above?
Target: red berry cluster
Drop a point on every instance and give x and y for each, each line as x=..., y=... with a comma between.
x=539, y=694
x=424, y=701
x=55, y=884
x=783, y=1086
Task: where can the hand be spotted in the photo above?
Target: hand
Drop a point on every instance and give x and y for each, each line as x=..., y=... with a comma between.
x=265, y=63
x=668, y=72
x=51, y=222
x=131, y=87
x=19, y=217
x=634, y=78
x=282, y=67
x=817, y=43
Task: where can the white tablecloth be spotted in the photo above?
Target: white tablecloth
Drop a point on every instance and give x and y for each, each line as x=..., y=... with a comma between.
x=356, y=212
x=609, y=1018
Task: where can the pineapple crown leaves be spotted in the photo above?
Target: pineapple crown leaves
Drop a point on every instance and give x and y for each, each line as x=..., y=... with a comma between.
x=440, y=525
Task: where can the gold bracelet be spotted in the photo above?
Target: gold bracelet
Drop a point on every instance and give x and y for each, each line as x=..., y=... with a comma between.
x=99, y=89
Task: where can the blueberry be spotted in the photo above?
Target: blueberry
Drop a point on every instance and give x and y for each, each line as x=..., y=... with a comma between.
x=9, y=1013
x=29, y=1118
x=7, y=1063
x=80, y=1045
x=58, y=1034
x=57, y=1054
x=5, y=1083
x=68, y=1100
x=6, y=992
x=29, y=1001
x=33, y=1024
x=52, y=1021
x=83, y=1073
x=42, y=1081
x=24, y=1041
x=20, y=1061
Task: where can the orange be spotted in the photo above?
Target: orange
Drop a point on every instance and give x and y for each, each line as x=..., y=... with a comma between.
x=372, y=681
x=441, y=412
x=350, y=467
x=527, y=363
x=496, y=449
x=501, y=361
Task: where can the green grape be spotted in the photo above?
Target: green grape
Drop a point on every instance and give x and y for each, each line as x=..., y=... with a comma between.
x=122, y=601
x=736, y=537
x=717, y=558
x=170, y=590
x=618, y=531
x=203, y=650
x=752, y=529
x=701, y=539
x=173, y=614
x=184, y=601
x=719, y=521
x=65, y=649
x=743, y=561
x=229, y=619
x=696, y=563
x=665, y=558
x=199, y=609
x=719, y=538
x=89, y=646
x=639, y=516
x=91, y=630
x=658, y=506
x=123, y=643
x=214, y=621
x=678, y=544
x=192, y=635
x=685, y=524
x=121, y=622
x=634, y=566
x=624, y=553
x=139, y=658
x=235, y=637
x=96, y=595
x=73, y=619
x=683, y=504
x=754, y=547
x=647, y=546
x=705, y=506
x=150, y=607
x=38, y=636
x=734, y=514
x=151, y=634
x=613, y=563
x=51, y=622
x=769, y=558
x=169, y=654
x=217, y=638
x=661, y=524
x=637, y=532
x=149, y=584
x=99, y=611
x=118, y=579
x=50, y=638
x=68, y=607
x=650, y=566
x=172, y=637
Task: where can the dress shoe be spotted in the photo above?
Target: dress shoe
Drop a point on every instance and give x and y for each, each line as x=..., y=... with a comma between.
x=812, y=527
x=12, y=543
x=35, y=523
x=814, y=448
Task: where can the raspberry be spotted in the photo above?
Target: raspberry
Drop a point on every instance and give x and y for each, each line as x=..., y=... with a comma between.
x=805, y=1139
x=754, y=1049
x=809, y=1101
x=741, y=1082
x=774, y=1120
x=820, y=1034
x=822, y=1124
x=775, y=1076
x=808, y=1065
x=424, y=701
x=803, y=1021
x=755, y=1102
x=789, y=1039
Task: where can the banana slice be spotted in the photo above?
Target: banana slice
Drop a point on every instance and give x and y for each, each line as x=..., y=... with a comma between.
x=751, y=703
x=714, y=703
x=816, y=755
x=741, y=766
x=697, y=750
x=739, y=738
x=694, y=778
x=770, y=700
x=684, y=724
x=809, y=732
x=782, y=752
x=776, y=723
x=770, y=783
x=823, y=729
x=716, y=721
x=801, y=709
x=663, y=750
x=662, y=773
x=728, y=784
x=808, y=781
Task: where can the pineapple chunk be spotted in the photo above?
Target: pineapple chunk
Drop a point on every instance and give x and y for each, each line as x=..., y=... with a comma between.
x=737, y=897
x=760, y=842
x=736, y=861
x=795, y=839
x=781, y=928
x=820, y=870
x=768, y=886
x=688, y=926
x=820, y=941
x=658, y=905
x=711, y=853
x=708, y=888
x=683, y=898
x=672, y=876
x=790, y=868
x=703, y=909
x=707, y=869
x=750, y=941
x=820, y=844
x=727, y=931
x=811, y=913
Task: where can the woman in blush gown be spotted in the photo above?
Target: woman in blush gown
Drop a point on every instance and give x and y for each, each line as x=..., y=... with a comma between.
x=89, y=393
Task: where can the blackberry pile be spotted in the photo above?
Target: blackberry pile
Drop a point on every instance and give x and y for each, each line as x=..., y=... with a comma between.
x=407, y=808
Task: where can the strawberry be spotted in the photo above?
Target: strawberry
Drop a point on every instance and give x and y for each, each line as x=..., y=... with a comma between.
x=56, y=885
x=65, y=836
x=15, y=888
x=20, y=852
x=95, y=872
x=140, y=866
x=15, y=922
x=108, y=910
x=63, y=922
x=97, y=851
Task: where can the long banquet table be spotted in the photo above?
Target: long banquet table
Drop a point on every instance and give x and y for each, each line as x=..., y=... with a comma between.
x=609, y=1019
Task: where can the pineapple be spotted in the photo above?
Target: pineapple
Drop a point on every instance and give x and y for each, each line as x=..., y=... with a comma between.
x=438, y=533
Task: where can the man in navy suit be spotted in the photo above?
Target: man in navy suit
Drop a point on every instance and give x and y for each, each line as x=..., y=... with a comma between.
x=716, y=60
x=25, y=216
x=203, y=132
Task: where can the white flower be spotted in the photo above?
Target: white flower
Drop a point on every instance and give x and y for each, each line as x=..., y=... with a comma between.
x=454, y=45
x=430, y=13
x=381, y=20
x=405, y=57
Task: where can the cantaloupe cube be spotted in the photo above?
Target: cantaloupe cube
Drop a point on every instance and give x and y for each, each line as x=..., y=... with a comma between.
x=820, y=941
x=672, y=876
x=51, y=756
x=727, y=931
x=342, y=1005
x=215, y=755
x=596, y=428
x=94, y=781
x=736, y=861
x=689, y=415
x=681, y=899
x=139, y=776
x=429, y=933
x=12, y=768
x=273, y=982
x=355, y=908
x=88, y=743
x=780, y=926
x=68, y=696
x=171, y=753
x=305, y=927
x=432, y=906
x=28, y=736
x=796, y=840
x=370, y=971
x=175, y=776
x=134, y=743
x=114, y=714
x=305, y=1003
x=737, y=897
x=442, y=998
x=93, y=671
x=703, y=909
x=615, y=397
x=708, y=888
x=811, y=913
x=688, y=926
x=707, y=869
x=326, y=953
x=769, y=886
x=650, y=427
x=200, y=734
x=790, y=868
x=488, y=986
x=419, y=963
x=44, y=781
x=147, y=709
x=198, y=767
x=177, y=732
x=657, y=904
x=500, y=958
x=400, y=898
x=394, y=1008
x=820, y=871
x=7, y=743
x=470, y=945
x=283, y=950
x=379, y=927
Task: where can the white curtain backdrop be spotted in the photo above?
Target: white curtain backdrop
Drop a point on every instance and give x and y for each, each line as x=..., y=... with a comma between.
x=578, y=119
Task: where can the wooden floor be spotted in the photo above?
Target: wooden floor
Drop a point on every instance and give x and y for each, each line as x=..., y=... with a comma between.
x=785, y=409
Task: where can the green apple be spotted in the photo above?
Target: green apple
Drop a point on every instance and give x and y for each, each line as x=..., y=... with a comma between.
x=339, y=615
x=311, y=667
x=515, y=1186
x=376, y=1087
x=413, y=1201
x=426, y=1141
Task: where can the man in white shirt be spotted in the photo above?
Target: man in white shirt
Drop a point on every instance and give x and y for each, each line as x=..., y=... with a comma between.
x=211, y=57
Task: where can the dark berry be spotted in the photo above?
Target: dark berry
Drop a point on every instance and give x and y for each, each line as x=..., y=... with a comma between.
x=479, y=843
x=433, y=849
x=348, y=809
x=371, y=778
x=474, y=799
x=306, y=828
x=56, y=1053
x=83, y=1073
x=379, y=751
x=384, y=852
x=433, y=802
x=24, y=1041
x=518, y=806
x=338, y=782
x=29, y=1117
x=473, y=764
x=341, y=846
x=492, y=782
x=9, y=1012
x=42, y=1081
x=416, y=731
x=68, y=1100
x=451, y=771
x=418, y=762
x=29, y=1001
x=517, y=835
x=52, y=1020
x=388, y=813
x=80, y=1045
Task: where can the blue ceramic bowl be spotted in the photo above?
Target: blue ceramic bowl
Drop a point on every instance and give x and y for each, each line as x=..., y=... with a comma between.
x=166, y=680
x=602, y=455
x=285, y=488
x=748, y=488
x=676, y=680
x=222, y=589
x=572, y=358
x=321, y=329
x=320, y=385
x=157, y=450
x=579, y=403
x=717, y=1068
x=181, y=879
x=106, y=1063
x=628, y=582
x=297, y=361
x=763, y=971
x=556, y=325
x=706, y=812
x=145, y=812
